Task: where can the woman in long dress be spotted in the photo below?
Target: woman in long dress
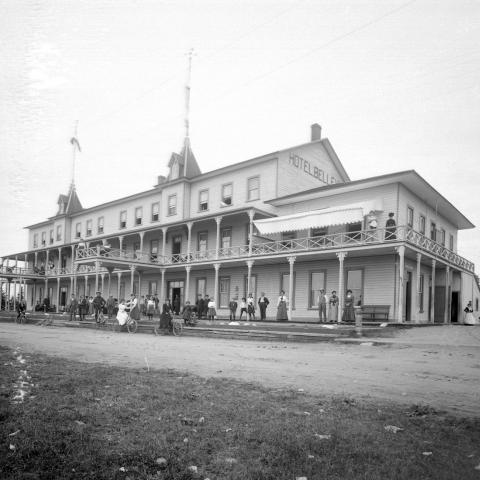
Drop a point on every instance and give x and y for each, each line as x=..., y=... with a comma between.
x=469, y=319
x=133, y=305
x=282, y=315
x=349, y=312
x=122, y=314
x=333, y=307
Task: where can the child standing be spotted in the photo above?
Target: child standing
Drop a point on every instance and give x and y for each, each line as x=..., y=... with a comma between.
x=243, y=307
x=212, y=312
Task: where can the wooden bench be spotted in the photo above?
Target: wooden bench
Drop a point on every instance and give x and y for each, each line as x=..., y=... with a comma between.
x=373, y=311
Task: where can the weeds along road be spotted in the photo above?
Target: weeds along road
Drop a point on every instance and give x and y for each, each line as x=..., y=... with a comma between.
x=444, y=376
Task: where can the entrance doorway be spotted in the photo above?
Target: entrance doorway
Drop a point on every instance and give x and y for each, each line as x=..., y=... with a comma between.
x=439, y=304
x=175, y=289
x=454, y=308
x=408, y=298
x=63, y=298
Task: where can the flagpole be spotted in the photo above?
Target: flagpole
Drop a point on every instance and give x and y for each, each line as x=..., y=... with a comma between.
x=74, y=148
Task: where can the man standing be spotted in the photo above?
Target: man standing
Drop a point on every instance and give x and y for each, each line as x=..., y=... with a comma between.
x=98, y=304
x=205, y=305
x=322, y=306
x=263, y=303
x=200, y=306
x=233, y=305
x=73, y=307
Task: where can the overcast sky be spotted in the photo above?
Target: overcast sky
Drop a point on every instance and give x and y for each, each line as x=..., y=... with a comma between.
x=395, y=85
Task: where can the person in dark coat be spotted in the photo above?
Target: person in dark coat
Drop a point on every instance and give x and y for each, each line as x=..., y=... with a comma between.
x=176, y=304
x=233, y=305
x=82, y=308
x=98, y=304
x=165, y=315
x=390, y=228
x=73, y=307
x=263, y=304
x=205, y=305
x=200, y=306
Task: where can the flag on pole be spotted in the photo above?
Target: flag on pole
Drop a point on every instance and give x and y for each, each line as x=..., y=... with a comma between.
x=75, y=143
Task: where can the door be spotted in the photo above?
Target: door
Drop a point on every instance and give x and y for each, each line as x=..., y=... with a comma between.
x=176, y=248
x=408, y=298
x=439, y=304
x=454, y=308
x=176, y=289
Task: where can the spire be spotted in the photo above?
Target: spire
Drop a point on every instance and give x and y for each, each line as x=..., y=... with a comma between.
x=186, y=143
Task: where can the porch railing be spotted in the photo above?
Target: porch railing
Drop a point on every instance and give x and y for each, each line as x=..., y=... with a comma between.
x=334, y=241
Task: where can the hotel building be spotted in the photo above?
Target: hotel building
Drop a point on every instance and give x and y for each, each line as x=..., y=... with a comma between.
x=289, y=220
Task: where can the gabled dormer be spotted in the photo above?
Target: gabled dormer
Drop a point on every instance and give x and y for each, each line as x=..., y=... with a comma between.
x=183, y=164
x=69, y=204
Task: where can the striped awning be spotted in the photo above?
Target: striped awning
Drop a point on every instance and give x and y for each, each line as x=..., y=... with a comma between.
x=325, y=217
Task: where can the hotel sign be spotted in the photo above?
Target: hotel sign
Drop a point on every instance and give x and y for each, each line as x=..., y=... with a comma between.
x=306, y=166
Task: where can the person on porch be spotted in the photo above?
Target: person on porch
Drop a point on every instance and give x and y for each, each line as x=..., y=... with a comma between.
x=282, y=315
x=322, y=306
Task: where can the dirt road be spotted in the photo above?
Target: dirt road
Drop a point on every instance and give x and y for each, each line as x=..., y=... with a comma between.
x=442, y=375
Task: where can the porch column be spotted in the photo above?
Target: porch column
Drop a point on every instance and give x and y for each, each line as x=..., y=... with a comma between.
x=446, y=318
x=110, y=270
x=162, y=285
x=26, y=261
x=72, y=263
x=291, y=261
x=341, y=287
x=164, y=243
x=120, y=243
x=249, y=275
x=59, y=266
x=72, y=291
x=432, y=300
x=46, y=260
x=119, y=275
x=36, y=259
x=189, y=241
x=7, y=304
x=417, y=296
x=132, y=277
x=97, y=268
x=86, y=285
x=16, y=262
x=25, y=291
x=217, y=243
x=251, y=214
x=46, y=287
x=139, y=285
x=58, y=294
x=215, y=293
x=187, y=283
x=142, y=234
x=102, y=276
x=14, y=294
x=34, y=299
x=401, y=282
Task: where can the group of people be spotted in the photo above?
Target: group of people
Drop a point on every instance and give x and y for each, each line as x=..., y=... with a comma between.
x=248, y=307
x=328, y=307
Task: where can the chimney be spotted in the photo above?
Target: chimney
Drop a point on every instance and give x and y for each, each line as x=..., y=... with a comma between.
x=161, y=179
x=316, y=132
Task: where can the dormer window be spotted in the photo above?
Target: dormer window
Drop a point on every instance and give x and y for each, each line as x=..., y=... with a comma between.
x=203, y=200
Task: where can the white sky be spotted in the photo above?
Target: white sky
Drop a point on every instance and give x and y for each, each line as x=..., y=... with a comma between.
x=395, y=85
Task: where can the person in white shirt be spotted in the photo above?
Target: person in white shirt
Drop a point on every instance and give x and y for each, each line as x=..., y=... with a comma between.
x=212, y=312
x=322, y=306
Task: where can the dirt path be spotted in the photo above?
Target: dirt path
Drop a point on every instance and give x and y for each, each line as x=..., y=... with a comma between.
x=444, y=376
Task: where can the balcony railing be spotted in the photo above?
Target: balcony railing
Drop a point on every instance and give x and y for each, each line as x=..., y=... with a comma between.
x=334, y=241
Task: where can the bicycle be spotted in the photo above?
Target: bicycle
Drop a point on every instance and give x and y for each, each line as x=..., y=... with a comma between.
x=131, y=325
x=21, y=318
x=102, y=320
x=174, y=327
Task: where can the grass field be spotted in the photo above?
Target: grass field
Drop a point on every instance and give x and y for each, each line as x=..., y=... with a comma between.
x=91, y=421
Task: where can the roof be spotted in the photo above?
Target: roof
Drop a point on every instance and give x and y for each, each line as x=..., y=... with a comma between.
x=409, y=178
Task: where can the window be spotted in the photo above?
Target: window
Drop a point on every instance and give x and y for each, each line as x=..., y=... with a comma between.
x=138, y=215
x=420, y=292
x=152, y=288
x=433, y=231
x=410, y=217
x=100, y=222
x=89, y=228
x=319, y=232
x=123, y=219
x=226, y=238
x=353, y=230
x=317, y=283
x=286, y=239
x=59, y=233
x=153, y=249
x=44, y=238
x=226, y=195
x=51, y=237
x=136, y=249
x=201, y=287
x=253, y=188
x=202, y=243
x=451, y=242
x=355, y=284
x=284, y=285
x=203, y=200
x=224, y=284
x=35, y=240
x=422, y=223
x=155, y=212
x=172, y=204
x=78, y=230
x=442, y=236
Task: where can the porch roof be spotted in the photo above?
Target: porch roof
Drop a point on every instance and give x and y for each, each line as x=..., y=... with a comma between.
x=339, y=215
